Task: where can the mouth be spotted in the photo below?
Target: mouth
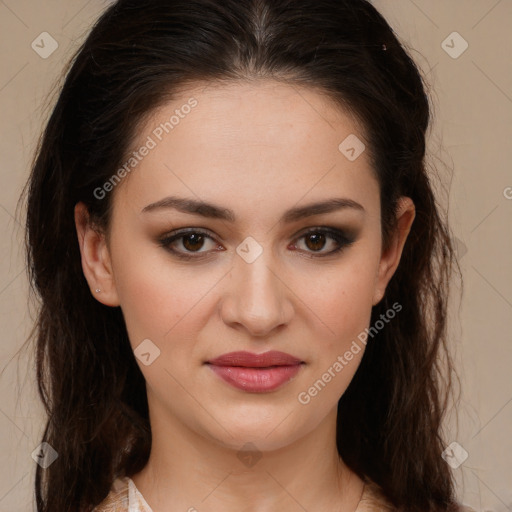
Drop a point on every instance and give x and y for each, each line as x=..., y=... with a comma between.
x=257, y=373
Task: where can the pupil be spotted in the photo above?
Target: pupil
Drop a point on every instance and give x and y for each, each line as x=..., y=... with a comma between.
x=320, y=241
x=194, y=245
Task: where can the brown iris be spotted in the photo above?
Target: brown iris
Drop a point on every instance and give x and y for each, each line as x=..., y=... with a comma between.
x=196, y=241
x=318, y=241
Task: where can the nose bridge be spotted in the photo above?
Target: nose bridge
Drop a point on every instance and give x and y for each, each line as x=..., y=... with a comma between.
x=258, y=298
x=258, y=277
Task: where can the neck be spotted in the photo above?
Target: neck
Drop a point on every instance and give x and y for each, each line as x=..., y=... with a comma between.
x=188, y=470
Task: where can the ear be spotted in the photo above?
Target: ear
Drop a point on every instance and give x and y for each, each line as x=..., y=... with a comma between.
x=391, y=257
x=96, y=263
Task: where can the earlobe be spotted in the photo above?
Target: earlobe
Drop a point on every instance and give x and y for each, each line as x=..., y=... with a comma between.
x=95, y=258
x=390, y=257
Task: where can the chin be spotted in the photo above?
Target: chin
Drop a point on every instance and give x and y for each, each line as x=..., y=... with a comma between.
x=266, y=434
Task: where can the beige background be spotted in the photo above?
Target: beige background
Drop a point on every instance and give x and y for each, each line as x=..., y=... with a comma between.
x=472, y=99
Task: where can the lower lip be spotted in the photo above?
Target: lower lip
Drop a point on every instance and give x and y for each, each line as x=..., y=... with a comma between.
x=256, y=380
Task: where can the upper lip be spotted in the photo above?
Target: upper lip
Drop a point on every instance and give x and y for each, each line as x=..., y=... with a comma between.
x=249, y=359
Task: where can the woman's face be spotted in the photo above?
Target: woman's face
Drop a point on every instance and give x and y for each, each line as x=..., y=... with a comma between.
x=245, y=164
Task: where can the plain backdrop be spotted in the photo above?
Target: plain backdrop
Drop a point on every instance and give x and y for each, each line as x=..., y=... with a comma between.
x=470, y=80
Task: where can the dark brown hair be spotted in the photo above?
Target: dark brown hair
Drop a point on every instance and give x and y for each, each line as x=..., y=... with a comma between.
x=137, y=56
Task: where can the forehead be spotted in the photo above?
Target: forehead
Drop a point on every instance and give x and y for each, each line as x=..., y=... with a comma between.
x=267, y=112
x=253, y=139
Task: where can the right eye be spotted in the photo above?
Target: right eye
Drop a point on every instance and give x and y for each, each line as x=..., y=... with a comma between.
x=191, y=240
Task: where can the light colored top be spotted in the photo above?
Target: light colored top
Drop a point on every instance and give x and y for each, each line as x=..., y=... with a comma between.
x=125, y=497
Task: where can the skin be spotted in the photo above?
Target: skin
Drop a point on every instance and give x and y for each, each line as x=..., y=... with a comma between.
x=258, y=148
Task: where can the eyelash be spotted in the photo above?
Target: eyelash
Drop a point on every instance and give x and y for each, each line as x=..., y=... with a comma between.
x=342, y=239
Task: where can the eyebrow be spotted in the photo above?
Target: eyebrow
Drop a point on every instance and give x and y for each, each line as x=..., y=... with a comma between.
x=213, y=211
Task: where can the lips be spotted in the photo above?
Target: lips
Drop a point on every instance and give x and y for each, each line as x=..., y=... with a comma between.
x=250, y=360
x=256, y=373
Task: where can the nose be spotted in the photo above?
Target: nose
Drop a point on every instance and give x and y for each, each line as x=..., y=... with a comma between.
x=257, y=298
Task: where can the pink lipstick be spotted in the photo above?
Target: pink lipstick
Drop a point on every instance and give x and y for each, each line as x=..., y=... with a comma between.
x=257, y=373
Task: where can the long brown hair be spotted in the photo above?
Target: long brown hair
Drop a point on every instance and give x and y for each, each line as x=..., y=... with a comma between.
x=137, y=56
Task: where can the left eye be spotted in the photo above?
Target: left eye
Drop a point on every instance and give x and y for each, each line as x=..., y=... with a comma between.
x=314, y=240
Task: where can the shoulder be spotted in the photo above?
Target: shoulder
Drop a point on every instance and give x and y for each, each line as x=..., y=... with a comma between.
x=117, y=499
x=374, y=500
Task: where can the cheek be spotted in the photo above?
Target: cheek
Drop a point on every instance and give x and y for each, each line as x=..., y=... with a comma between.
x=156, y=298
x=342, y=299
x=343, y=307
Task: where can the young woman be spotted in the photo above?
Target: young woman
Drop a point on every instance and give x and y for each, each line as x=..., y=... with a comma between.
x=242, y=269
